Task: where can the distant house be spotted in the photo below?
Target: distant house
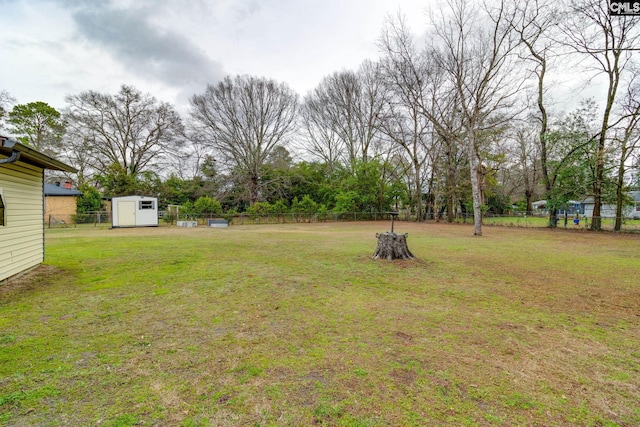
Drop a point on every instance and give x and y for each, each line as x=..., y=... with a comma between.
x=60, y=203
x=608, y=210
x=585, y=207
x=539, y=205
x=571, y=208
x=635, y=210
x=22, y=206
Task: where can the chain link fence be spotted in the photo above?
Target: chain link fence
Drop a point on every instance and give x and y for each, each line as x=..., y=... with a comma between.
x=568, y=222
x=100, y=218
x=103, y=219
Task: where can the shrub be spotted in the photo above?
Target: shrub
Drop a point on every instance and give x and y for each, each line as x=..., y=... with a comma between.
x=207, y=206
x=259, y=209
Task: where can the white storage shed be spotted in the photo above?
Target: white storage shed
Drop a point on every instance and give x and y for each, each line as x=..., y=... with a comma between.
x=134, y=211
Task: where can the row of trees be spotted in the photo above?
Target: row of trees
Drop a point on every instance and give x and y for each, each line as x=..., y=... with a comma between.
x=461, y=122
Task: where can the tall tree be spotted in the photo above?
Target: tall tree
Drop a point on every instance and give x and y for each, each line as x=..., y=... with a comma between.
x=606, y=41
x=38, y=125
x=319, y=140
x=572, y=154
x=245, y=119
x=478, y=54
x=339, y=115
x=627, y=141
x=527, y=164
x=129, y=132
x=5, y=101
x=408, y=78
x=535, y=22
x=190, y=163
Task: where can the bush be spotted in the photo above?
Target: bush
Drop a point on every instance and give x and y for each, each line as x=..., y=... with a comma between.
x=207, y=206
x=306, y=205
x=169, y=218
x=346, y=202
x=259, y=209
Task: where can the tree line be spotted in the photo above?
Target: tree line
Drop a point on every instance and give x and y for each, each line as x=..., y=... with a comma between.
x=459, y=121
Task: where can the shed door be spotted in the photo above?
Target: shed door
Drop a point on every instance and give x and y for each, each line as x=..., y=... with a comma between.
x=126, y=214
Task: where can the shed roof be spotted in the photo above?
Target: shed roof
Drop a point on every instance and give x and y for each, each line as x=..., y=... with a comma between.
x=8, y=147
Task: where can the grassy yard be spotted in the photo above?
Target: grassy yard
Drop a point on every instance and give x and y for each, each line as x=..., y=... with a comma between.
x=296, y=325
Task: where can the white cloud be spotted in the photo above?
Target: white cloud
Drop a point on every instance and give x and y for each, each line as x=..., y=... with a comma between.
x=172, y=48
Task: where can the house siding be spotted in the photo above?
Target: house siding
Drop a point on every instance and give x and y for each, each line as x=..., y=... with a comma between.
x=22, y=237
x=607, y=210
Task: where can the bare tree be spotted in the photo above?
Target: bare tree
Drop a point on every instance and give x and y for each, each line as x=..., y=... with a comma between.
x=339, y=115
x=131, y=130
x=6, y=100
x=78, y=154
x=319, y=140
x=607, y=41
x=245, y=119
x=407, y=75
x=188, y=164
x=525, y=169
x=478, y=54
x=627, y=139
x=447, y=155
x=535, y=22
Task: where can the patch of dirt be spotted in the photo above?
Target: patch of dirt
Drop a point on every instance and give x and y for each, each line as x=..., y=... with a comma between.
x=27, y=281
x=404, y=376
x=402, y=336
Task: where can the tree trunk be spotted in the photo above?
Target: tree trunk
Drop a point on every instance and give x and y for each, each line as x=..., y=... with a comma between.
x=596, y=220
x=450, y=208
x=392, y=246
x=476, y=189
x=553, y=218
x=619, y=190
x=528, y=194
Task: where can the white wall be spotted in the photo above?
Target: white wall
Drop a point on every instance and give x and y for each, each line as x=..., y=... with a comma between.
x=607, y=211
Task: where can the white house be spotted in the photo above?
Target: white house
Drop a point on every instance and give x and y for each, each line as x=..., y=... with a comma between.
x=134, y=211
x=585, y=207
x=22, y=206
x=571, y=207
x=608, y=210
x=635, y=210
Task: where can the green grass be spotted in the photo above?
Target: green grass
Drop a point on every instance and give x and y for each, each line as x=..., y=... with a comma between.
x=289, y=325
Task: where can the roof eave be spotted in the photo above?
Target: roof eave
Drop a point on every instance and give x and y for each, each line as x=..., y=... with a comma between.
x=29, y=155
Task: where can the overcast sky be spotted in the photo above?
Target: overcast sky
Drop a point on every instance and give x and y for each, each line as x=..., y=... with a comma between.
x=173, y=48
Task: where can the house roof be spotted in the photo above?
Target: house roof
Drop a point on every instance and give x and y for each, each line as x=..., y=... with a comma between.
x=56, y=190
x=635, y=195
x=9, y=147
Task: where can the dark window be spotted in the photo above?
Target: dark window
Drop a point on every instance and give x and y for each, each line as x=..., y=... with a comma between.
x=146, y=204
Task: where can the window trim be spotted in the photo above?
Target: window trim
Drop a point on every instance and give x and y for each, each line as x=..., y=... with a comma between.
x=146, y=205
x=3, y=210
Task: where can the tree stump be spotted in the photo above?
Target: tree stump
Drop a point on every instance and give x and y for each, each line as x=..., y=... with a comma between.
x=392, y=246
